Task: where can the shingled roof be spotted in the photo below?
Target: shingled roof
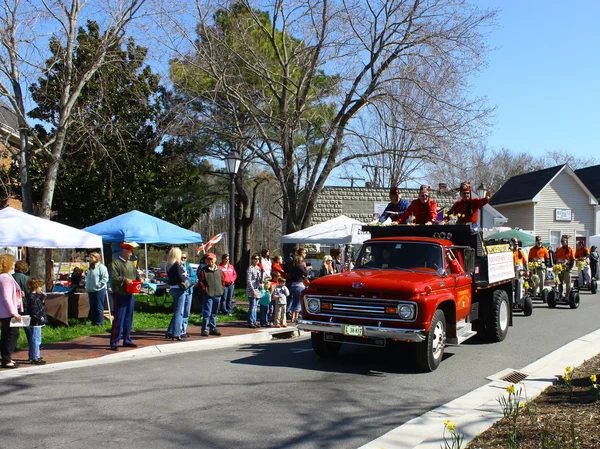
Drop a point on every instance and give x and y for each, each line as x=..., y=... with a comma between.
x=524, y=187
x=8, y=120
x=590, y=176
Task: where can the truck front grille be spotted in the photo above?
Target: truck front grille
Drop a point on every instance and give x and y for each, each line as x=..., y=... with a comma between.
x=359, y=307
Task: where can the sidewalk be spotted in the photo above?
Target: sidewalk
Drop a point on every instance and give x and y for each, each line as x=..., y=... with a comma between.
x=96, y=346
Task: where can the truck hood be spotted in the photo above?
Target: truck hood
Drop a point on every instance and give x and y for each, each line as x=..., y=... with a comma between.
x=374, y=280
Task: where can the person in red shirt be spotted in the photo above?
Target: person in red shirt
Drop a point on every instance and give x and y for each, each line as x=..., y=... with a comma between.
x=467, y=209
x=565, y=256
x=538, y=255
x=277, y=267
x=229, y=277
x=423, y=209
x=582, y=254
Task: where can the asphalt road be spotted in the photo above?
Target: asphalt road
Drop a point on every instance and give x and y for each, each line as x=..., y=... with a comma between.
x=273, y=395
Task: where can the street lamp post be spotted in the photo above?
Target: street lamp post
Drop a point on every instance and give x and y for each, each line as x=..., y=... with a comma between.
x=232, y=162
x=481, y=192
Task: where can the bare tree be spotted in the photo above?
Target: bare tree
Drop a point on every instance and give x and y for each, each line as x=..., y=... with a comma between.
x=303, y=72
x=25, y=29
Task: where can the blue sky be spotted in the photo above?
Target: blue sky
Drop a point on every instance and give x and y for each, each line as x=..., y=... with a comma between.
x=543, y=76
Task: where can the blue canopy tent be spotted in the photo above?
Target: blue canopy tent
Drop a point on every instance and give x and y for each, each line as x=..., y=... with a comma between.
x=136, y=226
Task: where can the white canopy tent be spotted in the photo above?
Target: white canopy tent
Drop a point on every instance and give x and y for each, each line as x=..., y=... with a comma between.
x=20, y=229
x=594, y=240
x=341, y=230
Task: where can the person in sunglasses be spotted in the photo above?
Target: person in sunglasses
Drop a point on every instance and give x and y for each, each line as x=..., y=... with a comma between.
x=423, y=209
x=539, y=254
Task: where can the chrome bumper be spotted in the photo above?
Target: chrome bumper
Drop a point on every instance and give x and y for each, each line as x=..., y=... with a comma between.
x=370, y=331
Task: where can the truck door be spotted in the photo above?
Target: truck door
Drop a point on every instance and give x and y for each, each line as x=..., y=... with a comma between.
x=462, y=282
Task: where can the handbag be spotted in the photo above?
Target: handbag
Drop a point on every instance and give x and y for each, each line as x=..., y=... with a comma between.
x=186, y=284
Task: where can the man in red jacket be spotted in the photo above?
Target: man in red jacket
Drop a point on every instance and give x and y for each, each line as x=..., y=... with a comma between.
x=423, y=209
x=467, y=209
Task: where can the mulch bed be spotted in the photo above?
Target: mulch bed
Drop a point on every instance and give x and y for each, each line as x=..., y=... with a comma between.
x=556, y=419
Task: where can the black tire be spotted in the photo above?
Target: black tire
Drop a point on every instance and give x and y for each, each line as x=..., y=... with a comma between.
x=527, y=306
x=324, y=349
x=544, y=296
x=551, y=299
x=594, y=286
x=574, y=299
x=497, y=318
x=431, y=351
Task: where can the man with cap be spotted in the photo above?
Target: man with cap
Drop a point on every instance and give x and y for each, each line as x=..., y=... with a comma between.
x=210, y=280
x=396, y=207
x=467, y=209
x=423, y=209
x=582, y=254
x=565, y=256
x=122, y=273
x=538, y=255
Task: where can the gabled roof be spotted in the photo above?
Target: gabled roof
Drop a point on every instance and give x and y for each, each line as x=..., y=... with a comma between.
x=590, y=176
x=524, y=187
x=8, y=120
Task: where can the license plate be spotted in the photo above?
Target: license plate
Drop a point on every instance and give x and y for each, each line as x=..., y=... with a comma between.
x=353, y=330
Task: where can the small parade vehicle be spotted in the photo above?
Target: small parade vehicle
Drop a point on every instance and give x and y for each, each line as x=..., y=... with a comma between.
x=523, y=299
x=592, y=286
x=554, y=297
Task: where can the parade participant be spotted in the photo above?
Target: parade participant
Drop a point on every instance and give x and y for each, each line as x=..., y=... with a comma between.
x=212, y=285
x=467, y=209
x=582, y=254
x=424, y=209
x=519, y=257
x=396, y=207
x=566, y=257
x=540, y=258
x=122, y=273
x=594, y=262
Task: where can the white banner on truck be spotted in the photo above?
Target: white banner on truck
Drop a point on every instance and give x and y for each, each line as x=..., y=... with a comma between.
x=500, y=267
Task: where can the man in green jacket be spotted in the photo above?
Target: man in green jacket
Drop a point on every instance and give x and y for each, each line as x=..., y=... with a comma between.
x=122, y=273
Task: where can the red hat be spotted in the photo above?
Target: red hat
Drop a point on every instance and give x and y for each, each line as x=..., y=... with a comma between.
x=465, y=187
x=395, y=191
x=424, y=189
x=129, y=246
x=212, y=256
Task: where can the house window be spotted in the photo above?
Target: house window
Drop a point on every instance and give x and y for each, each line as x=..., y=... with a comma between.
x=555, y=239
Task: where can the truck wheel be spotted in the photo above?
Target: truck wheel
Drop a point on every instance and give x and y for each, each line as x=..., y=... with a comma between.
x=527, y=306
x=594, y=286
x=324, y=349
x=551, y=299
x=496, y=321
x=431, y=351
x=573, y=299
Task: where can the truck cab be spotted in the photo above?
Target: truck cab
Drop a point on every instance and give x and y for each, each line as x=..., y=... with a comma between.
x=424, y=289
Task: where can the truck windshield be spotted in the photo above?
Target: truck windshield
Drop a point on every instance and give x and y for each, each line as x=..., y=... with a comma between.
x=401, y=255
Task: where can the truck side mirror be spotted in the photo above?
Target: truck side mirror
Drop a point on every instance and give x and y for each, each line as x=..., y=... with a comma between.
x=469, y=255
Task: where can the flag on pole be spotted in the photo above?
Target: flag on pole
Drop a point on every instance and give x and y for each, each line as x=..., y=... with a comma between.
x=440, y=213
x=208, y=245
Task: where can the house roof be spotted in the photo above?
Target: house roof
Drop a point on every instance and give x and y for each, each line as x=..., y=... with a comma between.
x=8, y=120
x=524, y=187
x=590, y=176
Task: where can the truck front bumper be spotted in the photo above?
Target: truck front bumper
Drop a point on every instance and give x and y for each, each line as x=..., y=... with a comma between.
x=415, y=335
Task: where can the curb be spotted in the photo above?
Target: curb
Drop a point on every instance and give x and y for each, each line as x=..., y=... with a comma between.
x=478, y=410
x=262, y=336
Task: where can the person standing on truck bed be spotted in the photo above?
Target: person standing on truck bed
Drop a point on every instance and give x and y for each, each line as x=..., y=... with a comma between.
x=565, y=256
x=467, y=209
x=396, y=207
x=424, y=209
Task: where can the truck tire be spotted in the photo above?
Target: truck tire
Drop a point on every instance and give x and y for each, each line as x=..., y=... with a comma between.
x=527, y=306
x=573, y=299
x=431, y=351
x=594, y=286
x=497, y=319
x=324, y=349
x=551, y=299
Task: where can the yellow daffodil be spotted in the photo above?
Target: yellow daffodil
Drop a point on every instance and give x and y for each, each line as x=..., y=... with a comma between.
x=593, y=378
x=521, y=404
x=451, y=427
x=568, y=369
x=447, y=422
x=510, y=389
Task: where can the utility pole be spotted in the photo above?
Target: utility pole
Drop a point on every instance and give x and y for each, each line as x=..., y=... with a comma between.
x=352, y=179
x=376, y=182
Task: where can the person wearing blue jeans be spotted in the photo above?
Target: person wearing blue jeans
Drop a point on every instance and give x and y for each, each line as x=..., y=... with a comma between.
x=253, y=288
x=35, y=307
x=176, y=278
x=95, y=286
x=229, y=277
x=210, y=281
x=188, y=294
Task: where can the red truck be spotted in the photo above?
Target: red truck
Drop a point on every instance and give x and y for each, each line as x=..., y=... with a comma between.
x=429, y=285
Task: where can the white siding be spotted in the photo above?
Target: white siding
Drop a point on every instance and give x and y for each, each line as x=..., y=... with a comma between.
x=519, y=216
x=564, y=193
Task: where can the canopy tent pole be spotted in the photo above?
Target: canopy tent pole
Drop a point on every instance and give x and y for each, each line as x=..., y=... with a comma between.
x=107, y=295
x=146, y=260
x=62, y=256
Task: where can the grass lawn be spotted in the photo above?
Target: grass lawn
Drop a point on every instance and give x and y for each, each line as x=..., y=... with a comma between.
x=150, y=313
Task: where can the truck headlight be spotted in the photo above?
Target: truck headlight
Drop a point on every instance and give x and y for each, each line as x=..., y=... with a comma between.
x=406, y=311
x=313, y=305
